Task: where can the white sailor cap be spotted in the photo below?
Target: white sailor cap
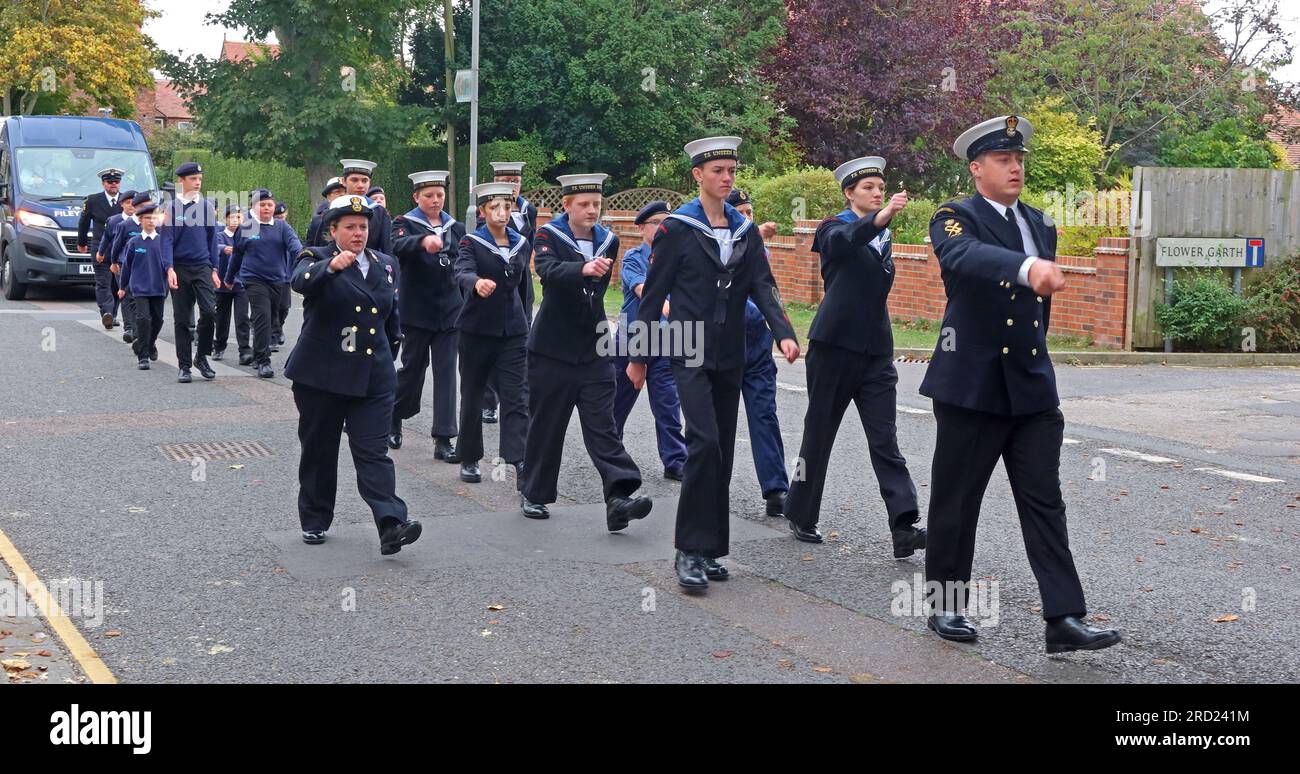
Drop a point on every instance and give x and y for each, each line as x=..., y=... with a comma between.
x=576, y=184
x=1004, y=133
x=508, y=168
x=428, y=178
x=851, y=172
x=110, y=173
x=360, y=166
x=484, y=192
x=348, y=205
x=712, y=148
x=333, y=184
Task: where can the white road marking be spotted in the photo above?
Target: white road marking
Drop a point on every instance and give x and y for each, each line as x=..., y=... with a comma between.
x=1137, y=455
x=910, y=410
x=1241, y=476
x=166, y=351
x=1068, y=441
x=790, y=387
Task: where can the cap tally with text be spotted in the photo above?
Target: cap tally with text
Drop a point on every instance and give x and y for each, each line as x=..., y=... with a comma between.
x=850, y=172
x=358, y=166
x=1004, y=133
x=111, y=175
x=348, y=205
x=485, y=192
x=428, y=178
x=576, y=184
x=508, y=168
x=712, y=149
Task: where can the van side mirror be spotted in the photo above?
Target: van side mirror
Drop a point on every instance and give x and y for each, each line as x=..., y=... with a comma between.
x=4, y=193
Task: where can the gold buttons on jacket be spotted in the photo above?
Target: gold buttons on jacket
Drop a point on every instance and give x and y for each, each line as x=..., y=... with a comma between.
x=358, y=309
x=1013, y=296
x=1034, y=351
x=1005, y=350
x=369, y=351
x=1040, y=299
x=372, y=330
x=306, y=275
x=1009, y=321
x=374, y=310
x=1035, y=325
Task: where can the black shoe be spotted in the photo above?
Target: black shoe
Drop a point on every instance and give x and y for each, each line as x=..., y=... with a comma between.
x=673, y=474
x=908, y=541
x=280, y=340
x=128, y=337
x=445, y=450
x=275, y=347
x=534, y=510
x=519, y=471
x=153, y=354
x=690, y=572
x=184, y=377
x=808, y=534
x=265, y=371
x=489, y=416
x=219, y=354
x=1071, y=633
x=396, y=535
x=143, y=365
x=952, y=627
x=395, y=434
x=715, y=571
x=205, y=370
x=776, y=504
x=621, y=510
x=245, y=360
x=107, y=319
x=313, y=537
x=469, y=473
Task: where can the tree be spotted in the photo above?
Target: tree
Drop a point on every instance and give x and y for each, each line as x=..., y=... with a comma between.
x=1145, y=67
x=328, y=92
x=1065, y=152
x=896, y=78
x=1227, y=143
x=76, y=55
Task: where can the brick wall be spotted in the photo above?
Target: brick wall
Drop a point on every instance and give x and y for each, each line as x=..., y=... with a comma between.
x=1093, y=304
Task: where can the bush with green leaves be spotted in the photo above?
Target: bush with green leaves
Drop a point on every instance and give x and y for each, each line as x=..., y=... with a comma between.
x=912, y=225
x=1203, y=312
x=1273, y=300
x=1227, y=143
x=236, y=178
x=810, y=193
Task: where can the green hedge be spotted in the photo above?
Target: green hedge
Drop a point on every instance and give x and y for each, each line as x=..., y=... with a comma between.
x=809, y=193
x=226, y=180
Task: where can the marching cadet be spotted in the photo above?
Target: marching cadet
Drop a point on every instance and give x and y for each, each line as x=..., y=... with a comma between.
x=709, y=258
x=377, y=195
x=259, y=259
x=147, y=273
x=333, y=189
x=994, y=389
x=851, y=356
x=115, y=248
x=356, y=182
x=284, y=302
x=191, y=227
x=523, y=218
x=342, y=373
x=107, y=248
x=425, y=242
x=566, y=364
x=490, y=263
x=281, y=211
x=665, y=406
x=758, y=388
x=231, y=299
x=95, y=212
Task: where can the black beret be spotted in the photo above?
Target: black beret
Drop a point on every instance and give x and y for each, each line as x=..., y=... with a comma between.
x=649, y=211
x=188, y=168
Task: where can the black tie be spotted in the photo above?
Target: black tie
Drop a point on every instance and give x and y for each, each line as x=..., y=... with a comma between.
x=1015, y=228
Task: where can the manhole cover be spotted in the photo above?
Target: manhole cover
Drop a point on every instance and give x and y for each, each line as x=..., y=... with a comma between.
x=221, y=450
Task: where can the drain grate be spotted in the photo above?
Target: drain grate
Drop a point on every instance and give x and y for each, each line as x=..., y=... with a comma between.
x=221, y=450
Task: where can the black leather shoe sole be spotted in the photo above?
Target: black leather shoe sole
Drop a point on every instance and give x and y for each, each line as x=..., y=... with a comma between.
x=404, y=535
x=1099, y=644
x=313, y=538
x=719, y=573
x=184, y=378
x=806, y=536
x=964, y=636
x=450, y=457
x=489, y=419
x=143, y=365
x=692, y=587
x=536, y=511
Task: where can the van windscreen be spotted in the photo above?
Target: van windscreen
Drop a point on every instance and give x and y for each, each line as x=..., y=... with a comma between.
x=52, y=173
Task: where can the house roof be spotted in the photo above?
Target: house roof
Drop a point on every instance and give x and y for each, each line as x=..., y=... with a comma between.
x=238, y=50
x=1290, y=120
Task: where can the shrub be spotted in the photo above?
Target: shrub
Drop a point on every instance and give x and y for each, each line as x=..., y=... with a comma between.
x=808, y=192
x=1203, y=312
x=1273, y=299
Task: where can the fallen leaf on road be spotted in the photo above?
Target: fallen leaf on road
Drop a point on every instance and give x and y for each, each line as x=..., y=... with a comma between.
x=219, y=648
x=1164, y=486
x=1196, y=530
x=1159, y=661
x=136, y=509
x=1227, y=618
x=785, y=663
x=236, y=467
x=485, y=633
x=15, y=665
x=862, y=677
x=1035, y=609
x=806, y=558
x=835, y=535
x=493, y=622
x=722, y=654
x=1100, y=617
x=21, y=654
x=823, y=670
x=1124, y=492
x=1146, y=589
x=114, y=633
x=1286, y=567
x=495, y=608
x=1161, y=542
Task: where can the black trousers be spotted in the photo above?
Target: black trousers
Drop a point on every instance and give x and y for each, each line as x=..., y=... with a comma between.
x=105, y=288
x=836, y=377
x=148, y=324
x=480, y=358
x=263, y=305
x=322, y=417
x=128, y=313
x=420, y=347
x=710, y=401
x=967, y=446
x=236, y=303
x=555, y=389
x=283, y=303
x=195, y=287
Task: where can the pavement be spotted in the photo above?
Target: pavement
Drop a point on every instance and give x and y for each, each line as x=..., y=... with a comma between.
x=1182, y=486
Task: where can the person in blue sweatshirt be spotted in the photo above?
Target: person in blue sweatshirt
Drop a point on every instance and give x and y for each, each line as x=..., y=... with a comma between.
x=233, y=299
x=191, y=228
x=263, y=250
x=105, y=251
x=115, y=250
x=147, y=273
x=286, y=293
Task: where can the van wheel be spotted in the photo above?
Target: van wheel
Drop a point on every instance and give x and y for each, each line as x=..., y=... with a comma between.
x=13, y=289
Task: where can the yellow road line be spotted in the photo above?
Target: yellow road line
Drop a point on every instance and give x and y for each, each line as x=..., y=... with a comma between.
x=91, y=664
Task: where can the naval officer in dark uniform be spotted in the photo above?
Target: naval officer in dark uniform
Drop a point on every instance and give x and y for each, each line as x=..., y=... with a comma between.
x=425, y=241
x=710, y=258
x=851, y=356
x=343, y=377
x=91, y=228
x=567, y=369
x=994, y=389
